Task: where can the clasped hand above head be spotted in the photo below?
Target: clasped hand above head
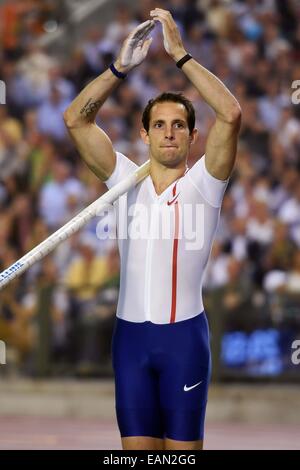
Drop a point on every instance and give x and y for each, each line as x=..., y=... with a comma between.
x=172, y=39
x=136, y=45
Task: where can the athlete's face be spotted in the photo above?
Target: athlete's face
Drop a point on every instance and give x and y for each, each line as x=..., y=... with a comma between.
x=169, y=137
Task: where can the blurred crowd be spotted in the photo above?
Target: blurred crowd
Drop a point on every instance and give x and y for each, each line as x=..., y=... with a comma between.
x=59, y=315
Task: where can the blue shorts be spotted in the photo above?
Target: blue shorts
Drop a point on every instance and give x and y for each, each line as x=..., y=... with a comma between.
x=162, y=373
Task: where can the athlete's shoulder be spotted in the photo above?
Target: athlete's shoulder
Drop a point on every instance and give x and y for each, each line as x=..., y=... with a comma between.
x=124, y=166
x=211, y=188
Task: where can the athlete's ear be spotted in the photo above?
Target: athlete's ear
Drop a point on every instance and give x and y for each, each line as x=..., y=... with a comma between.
x=144, y=136
x=194, y=136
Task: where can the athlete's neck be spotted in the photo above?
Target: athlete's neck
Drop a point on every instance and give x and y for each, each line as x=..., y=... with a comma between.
x=163, y=176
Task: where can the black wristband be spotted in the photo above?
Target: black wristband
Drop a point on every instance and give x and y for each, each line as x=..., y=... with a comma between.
x=183, y=60
x=116, y=72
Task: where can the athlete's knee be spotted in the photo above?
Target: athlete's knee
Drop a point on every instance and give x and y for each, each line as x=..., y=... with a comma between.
x=142, y=443
x=171, y=444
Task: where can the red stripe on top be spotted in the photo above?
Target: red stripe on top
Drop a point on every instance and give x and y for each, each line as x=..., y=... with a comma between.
x=174, y=263
x=175, y=256
x=174, y=189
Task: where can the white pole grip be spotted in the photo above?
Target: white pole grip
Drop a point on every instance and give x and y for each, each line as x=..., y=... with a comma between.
x=81, y=219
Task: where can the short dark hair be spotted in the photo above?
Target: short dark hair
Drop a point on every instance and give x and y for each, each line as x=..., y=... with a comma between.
x=174, y=98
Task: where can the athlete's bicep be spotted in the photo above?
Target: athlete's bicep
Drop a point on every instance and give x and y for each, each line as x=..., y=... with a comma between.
x=221, y=148
x=96, y=149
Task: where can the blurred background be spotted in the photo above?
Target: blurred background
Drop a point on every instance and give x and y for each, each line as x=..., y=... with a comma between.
x=57, y=319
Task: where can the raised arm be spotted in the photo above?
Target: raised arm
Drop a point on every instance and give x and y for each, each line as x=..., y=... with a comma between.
x=94, y=146
x=220, y=151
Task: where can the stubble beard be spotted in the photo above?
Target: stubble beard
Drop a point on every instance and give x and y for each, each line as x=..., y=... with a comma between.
x=169, y=158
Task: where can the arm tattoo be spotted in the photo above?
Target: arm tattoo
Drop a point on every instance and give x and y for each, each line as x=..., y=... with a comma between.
x=90, y=108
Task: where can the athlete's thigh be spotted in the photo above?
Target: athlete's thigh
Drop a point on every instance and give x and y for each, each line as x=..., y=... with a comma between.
x=184, y=381
x=136, y=385
x=134, y=380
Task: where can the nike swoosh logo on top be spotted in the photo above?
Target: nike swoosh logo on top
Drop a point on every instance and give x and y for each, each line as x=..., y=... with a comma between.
x=173, y=200
x=187, y=389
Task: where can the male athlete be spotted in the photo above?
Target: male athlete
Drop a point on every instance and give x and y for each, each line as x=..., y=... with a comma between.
x=161, y=352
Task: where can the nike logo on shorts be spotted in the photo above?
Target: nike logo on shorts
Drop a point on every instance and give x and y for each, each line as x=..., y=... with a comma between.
x=187, y=389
